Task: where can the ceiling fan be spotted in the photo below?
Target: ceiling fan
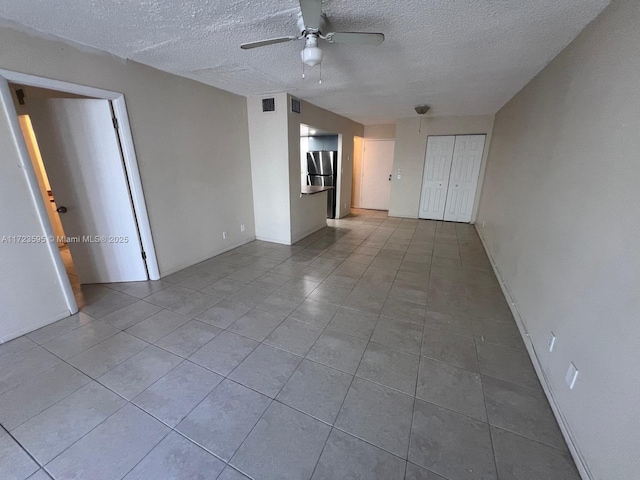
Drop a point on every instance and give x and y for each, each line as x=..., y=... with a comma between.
x=311, y=25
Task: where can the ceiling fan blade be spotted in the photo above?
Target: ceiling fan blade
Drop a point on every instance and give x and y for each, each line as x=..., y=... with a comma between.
x=355, y=37
x=262, y=43
x=311, y=13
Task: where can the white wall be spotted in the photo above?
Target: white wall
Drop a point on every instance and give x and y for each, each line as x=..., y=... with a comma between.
x=192, y=145
x=270, y=169
x=380, y=131
x=562, y=223
x=411, y=144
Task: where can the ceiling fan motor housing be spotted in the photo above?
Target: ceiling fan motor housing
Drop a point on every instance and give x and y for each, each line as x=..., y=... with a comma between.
x=302, y=29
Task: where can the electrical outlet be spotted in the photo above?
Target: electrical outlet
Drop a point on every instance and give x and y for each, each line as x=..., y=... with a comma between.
x=225, y=235
x=552, y=341
x=571, y=376
x=242, y=227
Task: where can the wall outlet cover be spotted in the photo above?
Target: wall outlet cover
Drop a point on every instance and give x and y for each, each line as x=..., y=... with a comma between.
x=552, y=341
x=571, y=376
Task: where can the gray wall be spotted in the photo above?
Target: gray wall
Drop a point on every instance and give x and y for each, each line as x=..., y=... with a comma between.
x=411, y=144
x=561, y=220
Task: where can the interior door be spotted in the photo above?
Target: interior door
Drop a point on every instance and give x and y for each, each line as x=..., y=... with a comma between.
x=81, y=153
x=435, y=181
x=463, y=181
x=376, y=174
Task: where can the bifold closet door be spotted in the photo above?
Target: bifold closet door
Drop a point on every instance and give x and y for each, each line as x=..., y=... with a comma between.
x=463, y=180
x=435, y=179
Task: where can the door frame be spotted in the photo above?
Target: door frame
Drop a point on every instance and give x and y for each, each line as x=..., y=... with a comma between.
x=129, y=157
x=363, y=165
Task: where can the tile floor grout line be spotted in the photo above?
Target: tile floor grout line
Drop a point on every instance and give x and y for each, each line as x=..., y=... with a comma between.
x=353, y=377
x=359, y=282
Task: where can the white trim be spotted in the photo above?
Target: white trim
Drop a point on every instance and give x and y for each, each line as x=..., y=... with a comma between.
x=38, y=325
x=34, y=188
x=274, y=240
x=581, y=465
x=128, y=152
x=338, y=186
x=135, y=184
x=406, y=215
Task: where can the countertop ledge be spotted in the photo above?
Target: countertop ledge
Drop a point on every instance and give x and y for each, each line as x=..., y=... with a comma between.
x=313, y=189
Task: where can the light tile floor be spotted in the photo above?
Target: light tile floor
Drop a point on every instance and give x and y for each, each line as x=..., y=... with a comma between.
x=377, y=348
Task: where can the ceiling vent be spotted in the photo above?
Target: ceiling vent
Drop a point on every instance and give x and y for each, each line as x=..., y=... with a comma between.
x=268, y=104
x=296, y=105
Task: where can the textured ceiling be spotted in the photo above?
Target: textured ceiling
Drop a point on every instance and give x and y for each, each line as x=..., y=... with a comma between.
x=459, y=56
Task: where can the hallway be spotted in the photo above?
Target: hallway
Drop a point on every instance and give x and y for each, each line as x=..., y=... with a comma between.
x=377, y=348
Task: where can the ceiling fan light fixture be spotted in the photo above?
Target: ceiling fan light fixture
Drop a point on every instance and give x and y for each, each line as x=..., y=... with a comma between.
x=311, y=54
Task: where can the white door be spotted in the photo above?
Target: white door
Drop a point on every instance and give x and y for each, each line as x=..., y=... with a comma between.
x=435, y=181
x=463, y=181
x=81, y=153
x=377, y=166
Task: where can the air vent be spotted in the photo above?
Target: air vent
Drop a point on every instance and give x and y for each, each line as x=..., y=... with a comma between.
x=296, y=105
x=268, y=104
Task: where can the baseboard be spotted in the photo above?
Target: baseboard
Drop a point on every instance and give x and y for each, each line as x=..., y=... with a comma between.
x=557, y=412
x=402, y=215
x=311, y=231
x=220, y=252
x=44, y=323
x=273, y=240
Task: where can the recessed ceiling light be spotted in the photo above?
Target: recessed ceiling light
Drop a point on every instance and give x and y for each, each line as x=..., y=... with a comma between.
x=312, y=132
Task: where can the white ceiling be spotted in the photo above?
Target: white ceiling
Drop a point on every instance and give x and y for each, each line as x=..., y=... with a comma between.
x=459, y=56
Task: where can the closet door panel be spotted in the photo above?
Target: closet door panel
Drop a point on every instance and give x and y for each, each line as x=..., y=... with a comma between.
x=463, y=181
x=437, y=168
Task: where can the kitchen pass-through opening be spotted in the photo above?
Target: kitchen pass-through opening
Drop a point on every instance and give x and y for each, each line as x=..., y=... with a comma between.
x=319, y=163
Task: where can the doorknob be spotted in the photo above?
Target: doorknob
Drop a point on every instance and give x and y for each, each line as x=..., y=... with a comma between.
x=61, y=209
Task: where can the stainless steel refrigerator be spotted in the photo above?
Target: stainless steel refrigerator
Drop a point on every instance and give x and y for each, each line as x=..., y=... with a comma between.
x=322, y=170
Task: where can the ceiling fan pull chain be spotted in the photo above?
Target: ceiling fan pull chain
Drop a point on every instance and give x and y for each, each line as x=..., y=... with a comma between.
x=303, y=77
x=320, y=81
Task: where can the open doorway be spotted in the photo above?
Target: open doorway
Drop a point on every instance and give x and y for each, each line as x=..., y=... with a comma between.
x=78, y=156
x=46, y=193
